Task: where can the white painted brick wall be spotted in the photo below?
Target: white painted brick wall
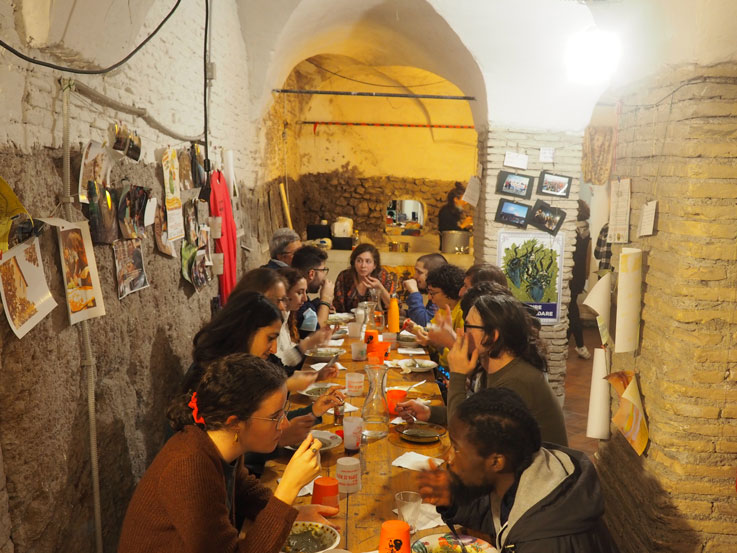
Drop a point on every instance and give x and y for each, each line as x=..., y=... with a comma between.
x=165, y=77
x=567, y=161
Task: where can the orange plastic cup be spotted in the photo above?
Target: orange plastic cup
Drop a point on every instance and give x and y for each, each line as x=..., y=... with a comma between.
x=394, y=537
x=371, y=337
x=393, y=397
x=380, y=349
x=325, y=492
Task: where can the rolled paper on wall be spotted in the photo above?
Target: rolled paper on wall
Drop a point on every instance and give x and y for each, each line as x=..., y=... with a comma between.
x=597, y=425
x=600, y=300
x=217, y=263
x=629, y=294
x=216, y=227
x=229, y=172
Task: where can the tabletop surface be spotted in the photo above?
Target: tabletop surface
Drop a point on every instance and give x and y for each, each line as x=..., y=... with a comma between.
x=362, y=513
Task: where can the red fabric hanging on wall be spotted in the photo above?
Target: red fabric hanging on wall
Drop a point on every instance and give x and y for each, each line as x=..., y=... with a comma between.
x=220, y=207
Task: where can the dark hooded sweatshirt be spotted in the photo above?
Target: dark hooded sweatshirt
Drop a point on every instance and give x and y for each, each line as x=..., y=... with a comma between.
x=557, y=508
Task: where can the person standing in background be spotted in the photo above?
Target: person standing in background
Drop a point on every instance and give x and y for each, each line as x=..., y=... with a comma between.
x=581, y=256
x=451, y=214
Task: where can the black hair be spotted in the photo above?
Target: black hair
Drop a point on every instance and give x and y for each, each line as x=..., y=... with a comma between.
x=584, y=211
x=432, y=261
x=232, y=385
x=307, y=258
x=449, y=278
x=231, y=330
x=486, y=272
x=291, y=276
x=498, y=421
x=363, y=248
x=456, y=192
x=506, y=315
x=481, y=289
x=259, y=280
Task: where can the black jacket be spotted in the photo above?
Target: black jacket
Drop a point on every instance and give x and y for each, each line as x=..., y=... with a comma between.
x=558, y=508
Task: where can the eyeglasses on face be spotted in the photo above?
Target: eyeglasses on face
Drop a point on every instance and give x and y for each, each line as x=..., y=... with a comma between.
x=326, y=270
x=432, y=293
x=278, y=419
x=467, y=326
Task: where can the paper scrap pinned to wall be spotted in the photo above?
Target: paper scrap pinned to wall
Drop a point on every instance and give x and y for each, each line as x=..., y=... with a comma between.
x=173, y=201
x=629, y=290
x=547, y=155
x=25, y=294
x=630, y=417
x=79, y=269
x=10, y=208
x=647, y=219
x=516, y=160
x=473, y=191
x=597, y=425
x=600, y=300
x=619, y=212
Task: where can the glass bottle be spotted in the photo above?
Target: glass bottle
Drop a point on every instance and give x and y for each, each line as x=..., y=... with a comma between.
x=375, y=413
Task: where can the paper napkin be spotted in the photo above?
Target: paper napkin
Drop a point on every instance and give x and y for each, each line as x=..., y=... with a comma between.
x=335, y=343
x=318, y=366
x=428, y=517
x=415, y=461
x=410, y=351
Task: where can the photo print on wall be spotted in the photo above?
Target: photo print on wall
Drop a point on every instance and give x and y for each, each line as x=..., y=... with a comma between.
x=514, y=184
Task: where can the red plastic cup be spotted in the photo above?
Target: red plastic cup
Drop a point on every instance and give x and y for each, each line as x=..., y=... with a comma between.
x=325, y=492
x=393, y=397
x=394, y=537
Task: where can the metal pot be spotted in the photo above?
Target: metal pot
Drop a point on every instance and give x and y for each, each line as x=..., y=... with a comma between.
x=455, y=241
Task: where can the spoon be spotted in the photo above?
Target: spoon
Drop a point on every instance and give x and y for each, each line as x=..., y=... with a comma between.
x=420, y=383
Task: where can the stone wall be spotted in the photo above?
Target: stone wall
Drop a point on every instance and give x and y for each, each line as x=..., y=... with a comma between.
x=346, y=192
x=677, y=143
x=142, y=345
x=567, y=161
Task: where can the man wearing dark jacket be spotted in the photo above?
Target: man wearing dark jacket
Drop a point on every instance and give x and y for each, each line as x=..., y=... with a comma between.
x=501, y=481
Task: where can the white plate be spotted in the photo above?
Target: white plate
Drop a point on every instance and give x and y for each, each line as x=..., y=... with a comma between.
x=423, y=365
x=328, y=439
x=447, y=543
x=339, y=318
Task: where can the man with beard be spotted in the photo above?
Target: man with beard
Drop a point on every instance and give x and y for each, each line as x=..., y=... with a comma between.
x=501, y=481
x=419, y=313
x=313, y=314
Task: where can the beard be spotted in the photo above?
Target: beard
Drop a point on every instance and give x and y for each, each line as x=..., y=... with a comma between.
x=464, y=494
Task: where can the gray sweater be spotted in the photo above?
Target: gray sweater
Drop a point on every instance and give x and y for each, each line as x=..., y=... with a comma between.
x=517, y=375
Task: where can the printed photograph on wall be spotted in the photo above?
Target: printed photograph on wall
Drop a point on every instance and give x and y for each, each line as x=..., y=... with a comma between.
x=513, y=184
x=554, y=185
x=25, y=294
x=173, y=199
x=129, y=266
x=95, y=168
x=81, y=281
x=546, y=217
x=512, y=213
x=102, y=213
x=532, y=262
x=161, y=233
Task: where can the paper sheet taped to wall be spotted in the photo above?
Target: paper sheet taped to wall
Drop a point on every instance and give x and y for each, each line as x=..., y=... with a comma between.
x=630, y=416
x=600, y=300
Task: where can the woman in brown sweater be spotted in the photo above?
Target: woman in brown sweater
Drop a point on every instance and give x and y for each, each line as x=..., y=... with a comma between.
x=196, y=494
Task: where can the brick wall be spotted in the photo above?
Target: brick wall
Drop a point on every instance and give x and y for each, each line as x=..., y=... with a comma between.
x=677, y=144
x=567, y=161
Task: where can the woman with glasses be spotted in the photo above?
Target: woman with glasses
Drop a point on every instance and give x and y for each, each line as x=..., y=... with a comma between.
x=364, y=277
x=196, y=495
x=250, y=323
x=499, y=336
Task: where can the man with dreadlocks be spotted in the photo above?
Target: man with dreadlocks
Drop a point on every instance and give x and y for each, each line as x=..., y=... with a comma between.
x=503, y=482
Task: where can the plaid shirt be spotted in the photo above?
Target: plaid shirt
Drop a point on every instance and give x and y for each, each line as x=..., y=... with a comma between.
x=603, y=249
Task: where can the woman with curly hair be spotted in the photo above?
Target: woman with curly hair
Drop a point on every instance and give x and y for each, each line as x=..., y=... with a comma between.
x=365, y=274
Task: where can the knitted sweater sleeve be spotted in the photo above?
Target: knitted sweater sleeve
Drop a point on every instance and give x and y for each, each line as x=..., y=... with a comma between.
x=192, y=493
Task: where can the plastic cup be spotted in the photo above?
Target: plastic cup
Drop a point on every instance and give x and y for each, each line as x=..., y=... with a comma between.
x=393, y=397
x=394, y=537
x=358, y=351
x=352, y=430
x=379, y=349
x=354, y=384
x=371, y=336
x=348, y=474
x=408, y=508
x=325, y=492
x=354, y=330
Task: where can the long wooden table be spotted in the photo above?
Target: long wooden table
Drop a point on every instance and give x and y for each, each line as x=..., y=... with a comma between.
x=362, y=513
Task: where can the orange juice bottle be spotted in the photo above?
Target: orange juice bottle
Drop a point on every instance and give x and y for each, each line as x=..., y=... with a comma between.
x=393, y=314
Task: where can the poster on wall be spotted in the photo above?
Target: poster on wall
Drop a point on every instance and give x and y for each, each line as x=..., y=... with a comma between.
x=79, y=269
x=173, y=200
x=25, y=294
x=532, y=262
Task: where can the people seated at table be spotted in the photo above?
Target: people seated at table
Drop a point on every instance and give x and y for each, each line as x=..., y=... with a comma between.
x=274, y=287
x=419, y=313
x=310, y=261
x=501, y=480
x=250, y=323
x=443, y=288
x=284, y=242
x=365, y=274
x=483, y=272
x=499, y=335
x=196, y=494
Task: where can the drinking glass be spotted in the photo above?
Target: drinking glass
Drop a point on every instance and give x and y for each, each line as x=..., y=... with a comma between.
x=408, y=508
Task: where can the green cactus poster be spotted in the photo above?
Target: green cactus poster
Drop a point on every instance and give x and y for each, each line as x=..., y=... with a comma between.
x=532, y=262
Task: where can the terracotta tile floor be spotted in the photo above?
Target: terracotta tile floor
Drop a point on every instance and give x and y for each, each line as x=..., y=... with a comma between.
x=578, y=383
